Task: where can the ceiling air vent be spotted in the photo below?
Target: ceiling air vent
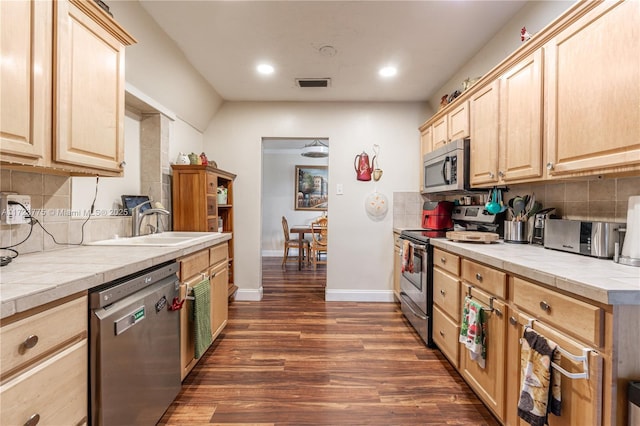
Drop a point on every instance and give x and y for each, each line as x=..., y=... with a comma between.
x=313, y=82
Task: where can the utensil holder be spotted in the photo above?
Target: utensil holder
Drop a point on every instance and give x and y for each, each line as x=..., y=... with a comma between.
x=515, y=232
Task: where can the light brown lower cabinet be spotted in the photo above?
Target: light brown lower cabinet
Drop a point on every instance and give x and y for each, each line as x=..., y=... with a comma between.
x=488, y=382
x=209, y=264
x=44, y=366
x=579, y=326
x=581, y=397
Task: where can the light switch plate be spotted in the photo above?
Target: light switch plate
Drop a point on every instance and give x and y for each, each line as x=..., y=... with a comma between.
x=339, y=189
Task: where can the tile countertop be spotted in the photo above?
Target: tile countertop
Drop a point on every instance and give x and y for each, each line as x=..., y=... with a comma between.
x=35, y=279
x=600, y=280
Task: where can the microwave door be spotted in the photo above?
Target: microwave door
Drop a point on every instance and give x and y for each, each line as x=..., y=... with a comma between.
x=437, y=174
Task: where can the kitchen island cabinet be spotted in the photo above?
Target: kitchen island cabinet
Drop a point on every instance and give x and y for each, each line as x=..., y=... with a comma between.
x=44, y=371
x=63, y=109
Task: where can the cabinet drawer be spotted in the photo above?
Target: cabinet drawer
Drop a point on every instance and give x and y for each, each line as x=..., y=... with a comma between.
x=578, y=318
x=212, y=183
x=218, y=253
x=445, y=335
x=194, y=264
x=51, y=328
x=485, y=277
x=446, y=293
x=211, y=205
x=212, y=224
x=447, y=261
x=55, y=390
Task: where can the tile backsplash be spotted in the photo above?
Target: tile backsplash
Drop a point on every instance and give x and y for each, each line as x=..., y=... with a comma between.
x=603, y=199
x=51, y=206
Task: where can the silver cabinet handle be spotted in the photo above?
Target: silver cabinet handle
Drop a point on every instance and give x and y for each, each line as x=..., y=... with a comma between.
x=30, y=342
x=545, y=306
x=513, y=320
x=442, y=292
x=478, y=276
x=549, y=166
x=443, y=260
x=501, y=173
x=33, y=420
x=442, y=333
x=492, y=175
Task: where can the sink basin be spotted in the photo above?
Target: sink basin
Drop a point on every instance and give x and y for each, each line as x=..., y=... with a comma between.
x=163, y=239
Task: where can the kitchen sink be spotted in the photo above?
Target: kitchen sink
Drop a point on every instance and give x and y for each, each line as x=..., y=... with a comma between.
x=163, y=239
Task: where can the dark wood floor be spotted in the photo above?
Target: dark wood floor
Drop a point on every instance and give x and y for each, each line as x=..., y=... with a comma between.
x=293, y=359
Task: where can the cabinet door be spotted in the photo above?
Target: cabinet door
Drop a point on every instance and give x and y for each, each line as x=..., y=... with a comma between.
x=592, y=70
x=55, y=390
x=89, y=95
x=187, y=344
x=426, y=141
x=25, y=78
x=484, y=103
x=581, y=398
x=219, y=277
x=488, y=382
x=440, y=135
x=520, y=143
x=458, y=122
x=190, y=208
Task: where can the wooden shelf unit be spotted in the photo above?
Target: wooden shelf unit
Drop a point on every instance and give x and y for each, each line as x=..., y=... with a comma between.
x=195, y=203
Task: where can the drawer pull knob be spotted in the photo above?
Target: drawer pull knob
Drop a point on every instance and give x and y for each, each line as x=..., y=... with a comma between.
x=513, y=320
x=442, y=333
x=33, y=420
x=478, y=276
x=443, y=260
x=442, y=292
x=545, y=306
x=30, y=342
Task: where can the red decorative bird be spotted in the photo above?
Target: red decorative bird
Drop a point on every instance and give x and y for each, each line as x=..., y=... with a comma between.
x=524, y=34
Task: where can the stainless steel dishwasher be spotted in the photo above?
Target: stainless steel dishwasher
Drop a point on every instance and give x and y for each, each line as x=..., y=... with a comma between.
x=134, y=348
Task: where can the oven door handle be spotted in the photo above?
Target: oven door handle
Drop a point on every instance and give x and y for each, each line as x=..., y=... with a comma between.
x=409, y=303
x=415, y=246
x=447, y=159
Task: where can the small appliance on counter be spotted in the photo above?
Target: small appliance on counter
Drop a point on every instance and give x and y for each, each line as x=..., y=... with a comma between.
x=538, y=224
x=596, y=239
x=477, y=218
x=436, y=215
x=631, y=244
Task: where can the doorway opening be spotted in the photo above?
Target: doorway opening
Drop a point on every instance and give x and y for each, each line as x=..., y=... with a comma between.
x=294, y=187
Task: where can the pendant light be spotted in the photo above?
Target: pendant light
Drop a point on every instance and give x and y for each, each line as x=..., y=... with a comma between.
x=315, y=149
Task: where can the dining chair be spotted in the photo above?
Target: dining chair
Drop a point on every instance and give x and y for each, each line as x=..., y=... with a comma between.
x=319, y=242
x=293, y=243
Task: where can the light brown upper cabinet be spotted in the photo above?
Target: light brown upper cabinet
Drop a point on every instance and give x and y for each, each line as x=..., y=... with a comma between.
x=520, y=147
x=67, y=87
x=25, y=80
x=483, y=108
x=592, y=75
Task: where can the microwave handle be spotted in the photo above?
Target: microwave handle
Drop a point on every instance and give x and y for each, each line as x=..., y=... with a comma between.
x=444, y=167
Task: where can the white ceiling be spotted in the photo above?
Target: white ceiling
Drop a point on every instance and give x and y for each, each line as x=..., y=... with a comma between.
x=428, y=41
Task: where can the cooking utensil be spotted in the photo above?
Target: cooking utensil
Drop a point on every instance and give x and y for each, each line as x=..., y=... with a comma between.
x=519, y=206
x=493, y=207
x=503, y=208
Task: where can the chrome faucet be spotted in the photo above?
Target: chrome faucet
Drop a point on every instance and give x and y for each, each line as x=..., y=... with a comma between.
x=137, y=215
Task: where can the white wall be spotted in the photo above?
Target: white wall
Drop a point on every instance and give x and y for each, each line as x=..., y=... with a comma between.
x=184, y=138
x=158, y=68
x=278, y=180
x=360, y=250
x=535, y=15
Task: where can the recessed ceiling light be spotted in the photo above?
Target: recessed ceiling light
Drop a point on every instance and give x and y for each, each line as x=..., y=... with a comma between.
x=388, y=71
x=265, y=69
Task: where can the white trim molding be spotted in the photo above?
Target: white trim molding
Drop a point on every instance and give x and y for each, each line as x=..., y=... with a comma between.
x=358, y=295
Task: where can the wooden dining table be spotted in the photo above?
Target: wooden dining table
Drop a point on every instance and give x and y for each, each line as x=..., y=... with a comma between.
x=301, y=230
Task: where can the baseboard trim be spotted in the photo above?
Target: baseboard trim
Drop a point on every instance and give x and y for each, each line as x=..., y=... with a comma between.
x=249, y=295
x=358, y=295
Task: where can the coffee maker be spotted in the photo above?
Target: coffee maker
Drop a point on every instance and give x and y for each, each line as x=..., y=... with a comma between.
x=436, y=215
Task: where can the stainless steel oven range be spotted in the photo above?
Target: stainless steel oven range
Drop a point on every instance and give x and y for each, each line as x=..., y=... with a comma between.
x=416, y=287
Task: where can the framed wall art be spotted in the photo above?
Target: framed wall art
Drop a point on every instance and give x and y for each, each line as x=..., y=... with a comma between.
x=311, y=188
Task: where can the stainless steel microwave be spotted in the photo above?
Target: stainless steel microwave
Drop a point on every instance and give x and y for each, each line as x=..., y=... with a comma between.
x=446, y=169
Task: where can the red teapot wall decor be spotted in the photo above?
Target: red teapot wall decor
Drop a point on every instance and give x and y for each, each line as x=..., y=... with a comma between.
x=362, y=167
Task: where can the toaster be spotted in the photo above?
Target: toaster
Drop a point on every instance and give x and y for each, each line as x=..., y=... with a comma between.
x=589, y=238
